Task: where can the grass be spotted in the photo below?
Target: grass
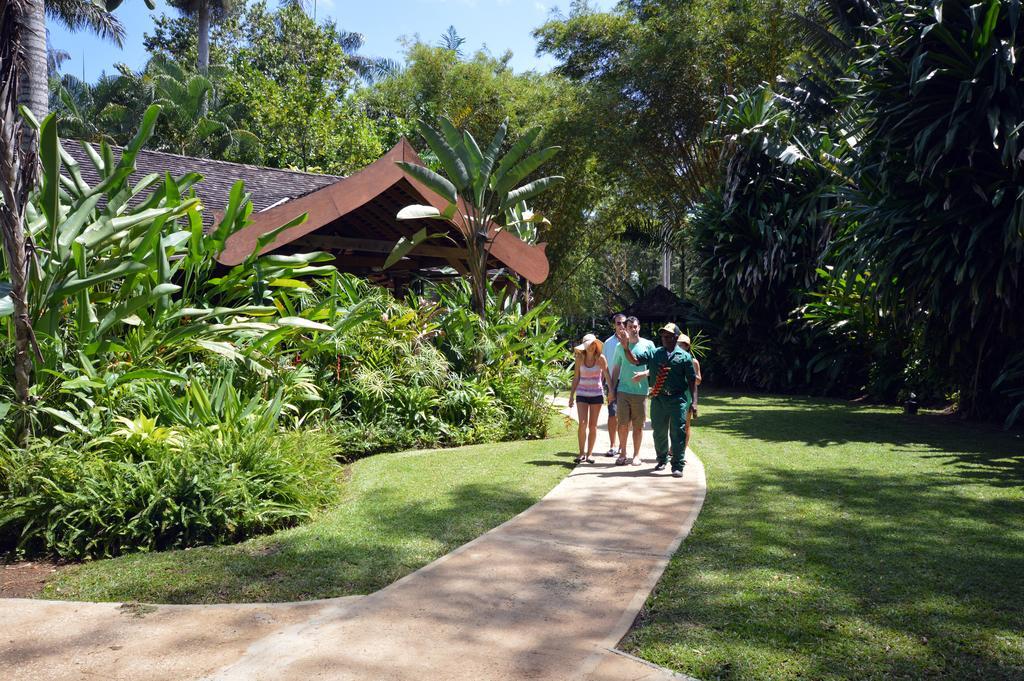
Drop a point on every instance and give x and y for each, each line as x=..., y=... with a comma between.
x=400, y=512
x=845, y=542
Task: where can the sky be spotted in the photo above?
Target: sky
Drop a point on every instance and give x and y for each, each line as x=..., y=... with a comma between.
x=497, y=24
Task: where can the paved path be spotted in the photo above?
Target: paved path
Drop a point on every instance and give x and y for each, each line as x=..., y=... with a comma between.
x=547, y=595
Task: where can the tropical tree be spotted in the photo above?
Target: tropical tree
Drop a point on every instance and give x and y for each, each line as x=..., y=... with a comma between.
x=197, y=120
x=29, y=21
x=17, y=179
x=654, y=73
x=759, y=236
x=370, y=69
x=204, y=12
x=305, y=115
x=937, y=214
x=481, y=190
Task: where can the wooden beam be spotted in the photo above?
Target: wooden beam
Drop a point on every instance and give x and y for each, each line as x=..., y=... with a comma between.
x=344, y=243
x=459, y=266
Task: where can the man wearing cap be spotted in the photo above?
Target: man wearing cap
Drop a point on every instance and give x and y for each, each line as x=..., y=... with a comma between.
x=672, y=380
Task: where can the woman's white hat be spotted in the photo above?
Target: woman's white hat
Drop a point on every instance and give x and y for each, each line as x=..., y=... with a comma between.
x=589, y=340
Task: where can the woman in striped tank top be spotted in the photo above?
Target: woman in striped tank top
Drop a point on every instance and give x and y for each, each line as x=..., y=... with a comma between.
x=587, y=392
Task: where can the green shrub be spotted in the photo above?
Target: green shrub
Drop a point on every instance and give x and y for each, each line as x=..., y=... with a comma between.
x=134, y=492
x=522, y=394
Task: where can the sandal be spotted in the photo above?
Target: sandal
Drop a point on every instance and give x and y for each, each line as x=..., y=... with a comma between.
x=579, y=459
x=621, y=461
x=637, y=461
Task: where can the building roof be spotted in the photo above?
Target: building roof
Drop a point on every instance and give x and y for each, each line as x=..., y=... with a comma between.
x=268, y=186
x=352, y=217
x=355, y=217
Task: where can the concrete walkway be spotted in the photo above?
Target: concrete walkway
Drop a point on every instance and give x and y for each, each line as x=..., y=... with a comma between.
x=547, y=595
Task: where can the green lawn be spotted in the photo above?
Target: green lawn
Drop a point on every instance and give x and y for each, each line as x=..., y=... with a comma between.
x=844, y=542
x=401, y=511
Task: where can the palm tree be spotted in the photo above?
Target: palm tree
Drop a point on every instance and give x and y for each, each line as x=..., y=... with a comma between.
x=29, y=24
x=451, y=40
x=370, y=69
x=22, y=40
x=203, y=11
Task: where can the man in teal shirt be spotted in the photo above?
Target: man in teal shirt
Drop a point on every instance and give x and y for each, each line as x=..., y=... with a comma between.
x=631, y=395
x=672, y=380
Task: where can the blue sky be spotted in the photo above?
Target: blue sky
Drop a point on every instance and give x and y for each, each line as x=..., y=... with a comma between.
x=498, y=24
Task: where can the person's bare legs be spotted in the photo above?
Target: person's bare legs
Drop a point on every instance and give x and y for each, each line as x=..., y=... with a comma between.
x=638, y=437
x=613, y=431
x=583, y=418
x=595, y=413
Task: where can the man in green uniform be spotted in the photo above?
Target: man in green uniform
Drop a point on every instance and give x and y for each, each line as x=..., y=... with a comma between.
x=672, y=381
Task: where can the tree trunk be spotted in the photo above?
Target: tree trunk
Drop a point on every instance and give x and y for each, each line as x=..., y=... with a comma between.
x=30, y=28
x=204, y=38
x=666, y=265
x=21, y=27
x=204, y=51
x=682, y=273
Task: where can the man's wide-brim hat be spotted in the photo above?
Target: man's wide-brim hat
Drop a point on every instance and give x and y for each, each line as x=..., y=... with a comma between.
x=670, y=328
x=588, y=340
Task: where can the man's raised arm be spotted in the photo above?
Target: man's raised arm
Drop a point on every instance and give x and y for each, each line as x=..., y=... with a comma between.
x=628, y=351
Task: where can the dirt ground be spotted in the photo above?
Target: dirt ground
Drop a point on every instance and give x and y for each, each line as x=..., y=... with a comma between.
x=25, y=579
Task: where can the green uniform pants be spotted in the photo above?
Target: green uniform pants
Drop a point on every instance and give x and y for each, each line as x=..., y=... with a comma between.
x=668, y=421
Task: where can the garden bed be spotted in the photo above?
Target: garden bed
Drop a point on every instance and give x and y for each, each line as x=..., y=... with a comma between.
x=400, y=511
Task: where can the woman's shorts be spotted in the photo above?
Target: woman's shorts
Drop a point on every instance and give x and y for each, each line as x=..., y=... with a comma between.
x=590, y=399
x=632, y=409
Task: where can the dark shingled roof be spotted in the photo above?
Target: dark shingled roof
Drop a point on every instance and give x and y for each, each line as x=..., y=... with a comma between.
x=268, y=186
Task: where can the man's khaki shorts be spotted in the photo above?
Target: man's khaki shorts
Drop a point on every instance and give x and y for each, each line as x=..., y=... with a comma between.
x=632, y=409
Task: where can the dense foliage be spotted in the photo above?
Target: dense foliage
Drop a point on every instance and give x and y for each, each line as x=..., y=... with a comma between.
x=308, y=113
x=938, y=208
x=862, y=234
x=168, y=398
x=834, y=184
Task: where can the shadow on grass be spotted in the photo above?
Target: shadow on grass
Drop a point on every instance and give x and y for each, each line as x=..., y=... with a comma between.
x=975, y=451
x=385, y=538
x=875, y=568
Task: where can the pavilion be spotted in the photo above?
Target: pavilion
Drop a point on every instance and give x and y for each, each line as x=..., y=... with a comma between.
x=353, y=217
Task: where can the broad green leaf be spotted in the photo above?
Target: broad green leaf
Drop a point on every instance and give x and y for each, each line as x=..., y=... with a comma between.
x=75, y=222
x=518, y=148
x=528, y=191
x=436, y=183
x=49, y=156
x=303, y=323
x=289, y=283
x=149, y=374
x=522, y=170
x=75, y=284
x=418, y=212
x=67, y=418
x=297, y=259
x=453, y=164
x=406, y=244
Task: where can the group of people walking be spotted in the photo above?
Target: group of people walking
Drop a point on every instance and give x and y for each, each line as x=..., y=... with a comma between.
x=629, y=372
